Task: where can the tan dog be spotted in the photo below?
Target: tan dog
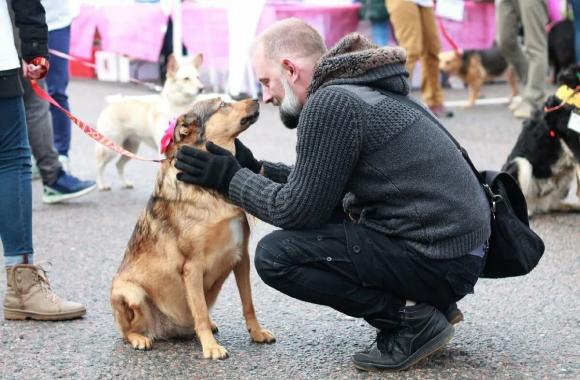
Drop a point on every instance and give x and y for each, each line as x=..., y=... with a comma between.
x=186, y=243
x=475, y=67
x=131, y=120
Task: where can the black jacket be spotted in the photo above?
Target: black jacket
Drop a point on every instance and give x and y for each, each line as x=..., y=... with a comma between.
x=33, y=32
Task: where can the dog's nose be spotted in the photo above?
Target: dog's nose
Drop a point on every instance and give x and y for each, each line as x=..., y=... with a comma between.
x=256, y=100
x=201, y=89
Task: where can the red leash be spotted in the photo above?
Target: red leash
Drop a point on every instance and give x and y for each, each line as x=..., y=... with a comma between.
x=87, y=129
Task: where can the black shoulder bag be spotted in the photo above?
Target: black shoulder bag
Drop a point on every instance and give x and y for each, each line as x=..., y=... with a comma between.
x=514, y=249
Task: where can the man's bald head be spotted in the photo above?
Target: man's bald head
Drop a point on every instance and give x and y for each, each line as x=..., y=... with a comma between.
x=290, y=38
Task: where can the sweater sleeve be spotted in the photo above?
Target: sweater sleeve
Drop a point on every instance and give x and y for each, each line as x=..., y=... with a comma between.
x=30, y=20
x=329, y=140
x=277, y=172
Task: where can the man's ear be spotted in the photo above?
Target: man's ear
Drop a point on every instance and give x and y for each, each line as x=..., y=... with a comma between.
x=290, y=69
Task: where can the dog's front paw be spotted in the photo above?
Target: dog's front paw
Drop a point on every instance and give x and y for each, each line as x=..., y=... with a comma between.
x=215, y=351
x=128, y=185
x=105, y=187
x=140, y=342
x=262, y=336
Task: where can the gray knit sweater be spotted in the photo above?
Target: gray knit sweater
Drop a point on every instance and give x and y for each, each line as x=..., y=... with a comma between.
x=389, y=165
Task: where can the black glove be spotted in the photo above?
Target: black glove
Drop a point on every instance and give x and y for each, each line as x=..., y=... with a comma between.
x=213, y=169
x=246, y=158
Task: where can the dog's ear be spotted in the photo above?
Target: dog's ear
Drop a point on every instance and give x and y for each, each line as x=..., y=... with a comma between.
x=198, y=61
x=172, y=66
x=187, y=125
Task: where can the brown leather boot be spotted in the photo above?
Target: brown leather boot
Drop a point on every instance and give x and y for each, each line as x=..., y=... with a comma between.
x=28, y=296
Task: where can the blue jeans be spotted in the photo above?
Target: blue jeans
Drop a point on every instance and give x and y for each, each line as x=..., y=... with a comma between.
x=576, y=11
x=380, y=31
x=57, y=82
x=15, y=179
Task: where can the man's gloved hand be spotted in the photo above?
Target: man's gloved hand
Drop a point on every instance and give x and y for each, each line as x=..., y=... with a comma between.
x=213, y=169
x=246, y=158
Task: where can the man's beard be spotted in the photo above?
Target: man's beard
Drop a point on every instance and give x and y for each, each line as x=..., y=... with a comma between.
x=290, y=107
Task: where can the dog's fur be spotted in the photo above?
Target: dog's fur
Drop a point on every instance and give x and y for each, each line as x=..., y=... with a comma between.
x=546, y=157
x=543, y=165
x=134, y=119
x=475, y=67
x=185, y=245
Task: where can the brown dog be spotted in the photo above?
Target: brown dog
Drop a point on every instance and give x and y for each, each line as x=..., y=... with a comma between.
x=186, y=243
x=475, y=67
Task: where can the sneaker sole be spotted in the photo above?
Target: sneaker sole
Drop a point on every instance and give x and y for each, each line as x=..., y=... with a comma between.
x=431, y=347
x=63, y=197
x=19, y=315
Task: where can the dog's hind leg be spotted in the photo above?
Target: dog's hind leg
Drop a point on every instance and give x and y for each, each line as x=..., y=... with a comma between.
x=103, y=156
x=132, y=314
x=242, y=274
x=195, y=295
x=131, y=145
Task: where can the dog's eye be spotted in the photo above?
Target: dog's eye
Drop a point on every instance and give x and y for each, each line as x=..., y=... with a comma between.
x=186, y=79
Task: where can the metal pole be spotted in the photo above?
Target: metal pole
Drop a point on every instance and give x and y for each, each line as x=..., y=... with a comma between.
x=177, y=29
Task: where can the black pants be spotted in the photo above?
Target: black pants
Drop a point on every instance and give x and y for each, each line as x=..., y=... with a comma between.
x=360, y=272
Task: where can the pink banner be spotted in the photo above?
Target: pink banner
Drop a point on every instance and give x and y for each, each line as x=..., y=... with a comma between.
x=137, y=29
x=476, y=31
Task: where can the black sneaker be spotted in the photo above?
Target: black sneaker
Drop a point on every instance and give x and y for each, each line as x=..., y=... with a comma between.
x=422, y=331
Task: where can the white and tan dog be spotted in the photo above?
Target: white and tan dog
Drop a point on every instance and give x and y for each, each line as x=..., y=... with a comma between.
x=131, y=120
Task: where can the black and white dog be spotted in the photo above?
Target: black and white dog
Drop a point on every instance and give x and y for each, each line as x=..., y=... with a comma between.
x=546, y=157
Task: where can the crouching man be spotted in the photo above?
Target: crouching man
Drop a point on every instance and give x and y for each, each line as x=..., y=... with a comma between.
x=381, y=216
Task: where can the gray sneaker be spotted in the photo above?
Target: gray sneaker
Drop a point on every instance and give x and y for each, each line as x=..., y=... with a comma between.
x=524, y=110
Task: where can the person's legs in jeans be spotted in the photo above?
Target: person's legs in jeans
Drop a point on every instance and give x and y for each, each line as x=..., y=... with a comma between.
x=15, y=184
x=28, y=294
x=57, y=82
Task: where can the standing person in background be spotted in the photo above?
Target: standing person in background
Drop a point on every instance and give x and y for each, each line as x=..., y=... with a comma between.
x=59, y=16
x=376, y=12
x=28, y=292
x=416, y=30
x=532, y=65
x=58, y=185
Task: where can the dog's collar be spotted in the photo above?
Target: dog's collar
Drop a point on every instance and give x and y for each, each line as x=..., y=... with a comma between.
x=168, y=136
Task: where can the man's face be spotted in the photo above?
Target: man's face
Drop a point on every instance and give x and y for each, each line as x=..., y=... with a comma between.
x=276, y=88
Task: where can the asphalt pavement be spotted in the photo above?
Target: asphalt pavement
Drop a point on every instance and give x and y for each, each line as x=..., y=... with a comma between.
x=519, y=328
